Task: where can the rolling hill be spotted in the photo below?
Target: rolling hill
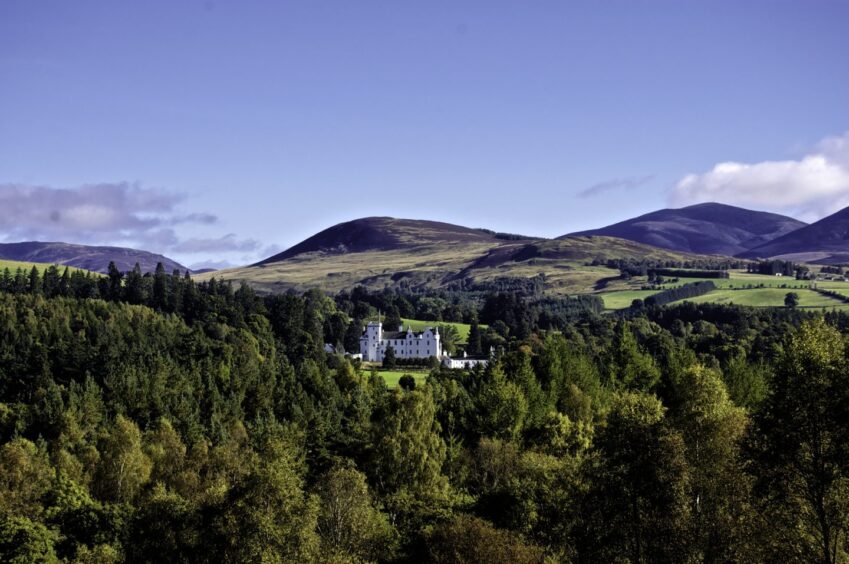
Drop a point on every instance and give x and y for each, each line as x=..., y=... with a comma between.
x=384, y=234
x=86, y=257
x=713, y=229
x=824, y=242
x=386, y=252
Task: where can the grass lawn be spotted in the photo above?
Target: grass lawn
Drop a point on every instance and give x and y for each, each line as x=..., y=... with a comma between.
x=462, y=328
x=391, y=377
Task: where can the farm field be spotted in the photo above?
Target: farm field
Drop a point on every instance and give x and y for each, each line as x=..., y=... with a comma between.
x=767, y=297
x=617, y=297
x=741, y=279
x=621, y=299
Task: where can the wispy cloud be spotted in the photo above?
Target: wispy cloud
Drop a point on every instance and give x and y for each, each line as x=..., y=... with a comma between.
x=109, y=213
x=225, y=243
x=213, y=264
x=811, y=187
x=615, y=184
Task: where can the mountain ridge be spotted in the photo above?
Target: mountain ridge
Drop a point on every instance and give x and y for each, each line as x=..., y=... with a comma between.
x=825, y=241
x=708, y=228
x=89, y=257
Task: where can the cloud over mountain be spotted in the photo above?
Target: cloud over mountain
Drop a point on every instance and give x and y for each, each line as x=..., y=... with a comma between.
x=811, y=187
x=108, y=213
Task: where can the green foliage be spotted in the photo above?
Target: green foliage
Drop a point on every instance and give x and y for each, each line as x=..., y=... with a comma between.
x=267, y=516
x=24, y=542
x=803, y=441
x=349, y=523
x=628, y=366
x=469, y=539
x=501, y=406
x=639, y=481
x=206, y=424
x=25, y=477
x=124, y=468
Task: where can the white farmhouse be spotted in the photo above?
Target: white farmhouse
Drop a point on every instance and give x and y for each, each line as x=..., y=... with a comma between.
x=406, y=344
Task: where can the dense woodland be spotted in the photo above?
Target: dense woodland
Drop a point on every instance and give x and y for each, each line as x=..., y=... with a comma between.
x=153, y=419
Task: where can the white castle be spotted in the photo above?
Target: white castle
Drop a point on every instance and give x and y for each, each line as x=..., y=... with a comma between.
x=406, y=344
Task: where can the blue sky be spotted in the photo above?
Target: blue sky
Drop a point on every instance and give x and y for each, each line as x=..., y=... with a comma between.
x=224, y=130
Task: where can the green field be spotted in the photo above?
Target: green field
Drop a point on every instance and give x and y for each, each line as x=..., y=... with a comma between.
x=622, y=299
x=767, y=297
x=741, y=279
x=736, y=290
x=391, y=377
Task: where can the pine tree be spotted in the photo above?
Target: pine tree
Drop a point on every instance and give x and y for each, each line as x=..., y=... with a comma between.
x=474, y=345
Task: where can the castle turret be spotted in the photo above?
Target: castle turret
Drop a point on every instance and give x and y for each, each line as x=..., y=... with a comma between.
x=371, y=340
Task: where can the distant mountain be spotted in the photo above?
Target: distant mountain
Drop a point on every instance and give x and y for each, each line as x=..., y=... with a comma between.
x=84, y=256
x=713, y=229
x=826, y=242
x=387, y=234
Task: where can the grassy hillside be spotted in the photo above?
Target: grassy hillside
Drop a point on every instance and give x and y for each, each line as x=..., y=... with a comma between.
x=14, y=265
x=454, y=263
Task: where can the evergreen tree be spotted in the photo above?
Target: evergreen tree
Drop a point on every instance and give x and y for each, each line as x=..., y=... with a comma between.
x=160, y=289
x=474, y=337
x=34, y=284
x=389, y=360
x=114, y=277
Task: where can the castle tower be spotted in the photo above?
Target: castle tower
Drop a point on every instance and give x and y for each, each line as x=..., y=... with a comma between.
x=370, y=342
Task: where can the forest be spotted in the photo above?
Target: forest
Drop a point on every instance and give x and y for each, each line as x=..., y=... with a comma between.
x=150, y=418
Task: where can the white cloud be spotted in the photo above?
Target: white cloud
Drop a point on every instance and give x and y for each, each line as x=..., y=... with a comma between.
x=120, y=214
x=810, y=188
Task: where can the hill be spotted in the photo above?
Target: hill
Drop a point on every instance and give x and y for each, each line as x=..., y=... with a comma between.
x=384, y=234
x=824, y=242
x=399, y=253
x=86, y=257
x=713, y=229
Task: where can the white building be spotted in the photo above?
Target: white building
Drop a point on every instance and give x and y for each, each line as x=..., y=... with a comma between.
x=406, y=344
x=467, y=362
